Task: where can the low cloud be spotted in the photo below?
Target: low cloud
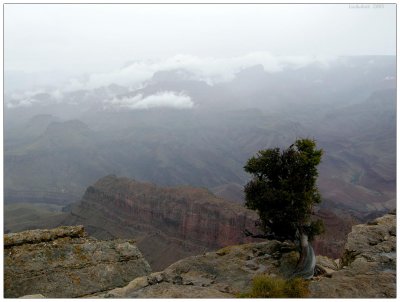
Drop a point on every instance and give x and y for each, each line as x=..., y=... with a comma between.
x=211, y=70
x=208, y=69
x=389, y=78
x=29, y=97
x=165, y=99
x=57, y=95
x=27, y=102
x=26, y=94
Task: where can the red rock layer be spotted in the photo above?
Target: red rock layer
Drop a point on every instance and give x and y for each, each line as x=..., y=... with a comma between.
x=187, y=213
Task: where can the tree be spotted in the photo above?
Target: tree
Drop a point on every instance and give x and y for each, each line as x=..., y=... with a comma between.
x=283, y=191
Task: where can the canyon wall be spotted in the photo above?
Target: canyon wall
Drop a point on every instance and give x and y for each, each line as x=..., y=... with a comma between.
x=169, y=223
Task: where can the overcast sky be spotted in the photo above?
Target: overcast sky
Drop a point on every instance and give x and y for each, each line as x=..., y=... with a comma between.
x=94, y=38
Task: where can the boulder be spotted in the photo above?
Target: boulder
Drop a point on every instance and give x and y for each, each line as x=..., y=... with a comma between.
x=64, y=262
x=368, y=265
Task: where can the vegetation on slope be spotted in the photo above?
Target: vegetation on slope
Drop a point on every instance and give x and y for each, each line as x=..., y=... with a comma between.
x=265, y=286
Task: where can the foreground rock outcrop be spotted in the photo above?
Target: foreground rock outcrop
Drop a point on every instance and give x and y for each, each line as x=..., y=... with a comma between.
x=366, y=270
x=64, y=262
x=221, y=274
x=368, y=266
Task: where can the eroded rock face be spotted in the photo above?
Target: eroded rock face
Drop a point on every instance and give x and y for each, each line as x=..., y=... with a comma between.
x=368, y=266
x=64, y=262
x=169, y=223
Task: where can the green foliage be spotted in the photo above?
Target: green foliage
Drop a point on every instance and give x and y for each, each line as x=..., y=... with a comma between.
x=297, y=288
x=315, y=228
x=268, y=287
x=283, y=188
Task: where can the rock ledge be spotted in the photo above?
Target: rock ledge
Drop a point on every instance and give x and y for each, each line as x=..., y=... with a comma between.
x=64, y=262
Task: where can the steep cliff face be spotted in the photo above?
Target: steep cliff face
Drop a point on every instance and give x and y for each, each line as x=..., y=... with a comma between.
x=169, y=223
x=64, y=262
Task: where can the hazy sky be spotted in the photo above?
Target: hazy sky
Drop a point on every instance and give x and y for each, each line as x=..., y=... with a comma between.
x=88, y=38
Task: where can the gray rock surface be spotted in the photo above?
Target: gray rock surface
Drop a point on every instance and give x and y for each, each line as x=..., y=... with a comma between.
x=37, y=236
x=221, y=274
x=368, y=266
x=64, y=262
x=366, y=270
x=36, y=296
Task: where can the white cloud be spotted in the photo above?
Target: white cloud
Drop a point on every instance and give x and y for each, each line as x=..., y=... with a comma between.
x=57, y=94
x=26, y=93
x=21, y=103
x=165, y=99
x=22, y=99
x=389, y=78
x=211, y=70
x=27, y=98
x=208, y=69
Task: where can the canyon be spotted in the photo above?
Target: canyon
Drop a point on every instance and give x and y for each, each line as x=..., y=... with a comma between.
x=171, y=223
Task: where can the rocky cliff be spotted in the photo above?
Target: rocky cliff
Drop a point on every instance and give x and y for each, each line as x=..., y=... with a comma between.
x=169, y=223
x=64, y=262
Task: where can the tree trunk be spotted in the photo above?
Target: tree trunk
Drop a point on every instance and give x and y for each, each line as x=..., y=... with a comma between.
x=306, y=264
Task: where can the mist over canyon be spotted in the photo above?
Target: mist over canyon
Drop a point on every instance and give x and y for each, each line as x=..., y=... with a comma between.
x=192, y=122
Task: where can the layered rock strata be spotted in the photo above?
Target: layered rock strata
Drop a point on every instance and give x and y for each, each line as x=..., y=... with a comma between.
x=169, y=223
x=64, y=262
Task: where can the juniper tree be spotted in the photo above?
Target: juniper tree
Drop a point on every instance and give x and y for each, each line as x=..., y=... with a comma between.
x=283, y=191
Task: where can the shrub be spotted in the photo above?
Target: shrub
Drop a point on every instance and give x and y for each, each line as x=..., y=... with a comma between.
x=297, y=288
x=268, y=287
